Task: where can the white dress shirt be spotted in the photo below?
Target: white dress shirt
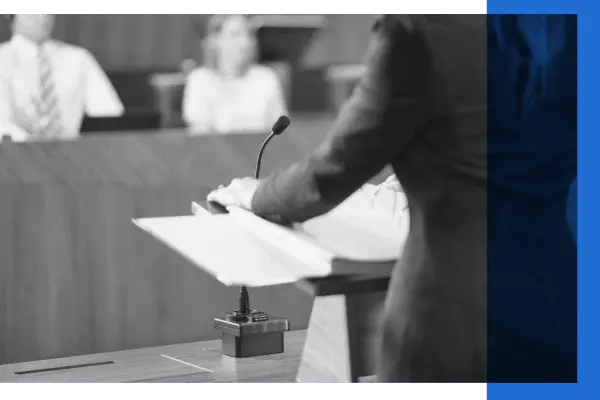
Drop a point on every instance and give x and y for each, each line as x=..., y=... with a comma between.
x=247, y=104
x=80, y=84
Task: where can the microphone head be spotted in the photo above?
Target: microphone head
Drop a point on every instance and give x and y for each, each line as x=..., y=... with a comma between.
x=281, y=125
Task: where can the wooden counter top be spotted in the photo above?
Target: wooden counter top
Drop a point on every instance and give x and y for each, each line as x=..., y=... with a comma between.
x=190, y=362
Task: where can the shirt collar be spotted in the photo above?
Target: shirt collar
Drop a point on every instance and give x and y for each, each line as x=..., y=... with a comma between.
x=26, y=48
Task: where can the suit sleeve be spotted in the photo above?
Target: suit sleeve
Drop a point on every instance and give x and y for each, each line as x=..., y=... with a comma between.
x=383, y=114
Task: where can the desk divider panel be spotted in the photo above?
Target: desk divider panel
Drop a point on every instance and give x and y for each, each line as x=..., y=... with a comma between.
x=77, y=277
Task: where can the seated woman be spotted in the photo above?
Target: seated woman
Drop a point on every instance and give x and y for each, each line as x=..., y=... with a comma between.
x=231, y=93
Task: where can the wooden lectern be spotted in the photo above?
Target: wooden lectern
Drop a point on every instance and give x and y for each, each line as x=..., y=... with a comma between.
x=342, y=332
x=342, y=336
x=343, y=258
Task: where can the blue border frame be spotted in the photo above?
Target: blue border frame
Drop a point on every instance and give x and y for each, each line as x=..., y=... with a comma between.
x=588, y=271
x=587, y=204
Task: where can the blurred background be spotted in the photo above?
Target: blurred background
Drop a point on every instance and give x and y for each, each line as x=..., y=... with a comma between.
x=76, y=275
x=145, y=56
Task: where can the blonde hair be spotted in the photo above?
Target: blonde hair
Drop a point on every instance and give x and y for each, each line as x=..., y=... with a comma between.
x=209, y=47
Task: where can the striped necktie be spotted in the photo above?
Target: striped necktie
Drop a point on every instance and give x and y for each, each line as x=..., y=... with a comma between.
x=49, y=123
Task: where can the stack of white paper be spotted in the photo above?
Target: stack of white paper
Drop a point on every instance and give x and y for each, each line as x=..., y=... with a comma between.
x=364, y=235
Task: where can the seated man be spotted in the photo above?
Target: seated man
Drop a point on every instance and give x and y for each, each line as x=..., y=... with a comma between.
x=46, y=86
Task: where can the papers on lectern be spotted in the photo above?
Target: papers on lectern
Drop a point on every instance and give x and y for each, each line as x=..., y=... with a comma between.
x=364, y=235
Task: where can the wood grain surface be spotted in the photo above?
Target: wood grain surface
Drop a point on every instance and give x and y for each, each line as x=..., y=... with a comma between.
x=341, y=339
x=190, y=362
x=77, y=277
x=154, y=41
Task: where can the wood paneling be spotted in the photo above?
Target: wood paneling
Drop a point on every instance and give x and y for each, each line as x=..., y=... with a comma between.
x=163, y=41
x=77, y=277
x=343, y=41
x=134, y=41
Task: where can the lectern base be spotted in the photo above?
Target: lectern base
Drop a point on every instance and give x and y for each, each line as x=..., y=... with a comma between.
x=339, y=344
x=251, y=339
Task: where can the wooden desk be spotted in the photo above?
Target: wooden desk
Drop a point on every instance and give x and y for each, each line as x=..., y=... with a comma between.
x=191, y=362
x=77, y=277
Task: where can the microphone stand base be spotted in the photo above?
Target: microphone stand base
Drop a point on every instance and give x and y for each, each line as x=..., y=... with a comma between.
x=251, y=334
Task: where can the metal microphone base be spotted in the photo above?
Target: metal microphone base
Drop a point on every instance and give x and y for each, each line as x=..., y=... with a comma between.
x=251, y=334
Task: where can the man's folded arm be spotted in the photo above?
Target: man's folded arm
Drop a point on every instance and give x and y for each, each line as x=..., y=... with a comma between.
x=387, y=108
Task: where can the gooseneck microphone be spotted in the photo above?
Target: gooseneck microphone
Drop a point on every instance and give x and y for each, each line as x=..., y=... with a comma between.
x=278, y=128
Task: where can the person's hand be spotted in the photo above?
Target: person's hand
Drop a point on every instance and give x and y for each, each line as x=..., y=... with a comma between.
x=239, y=193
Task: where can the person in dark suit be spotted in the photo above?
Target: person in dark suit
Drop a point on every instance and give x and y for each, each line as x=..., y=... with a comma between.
x=422, y=106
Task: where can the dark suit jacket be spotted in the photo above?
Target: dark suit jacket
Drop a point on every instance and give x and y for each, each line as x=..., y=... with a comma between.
x=487, y=279
x=420, y=106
